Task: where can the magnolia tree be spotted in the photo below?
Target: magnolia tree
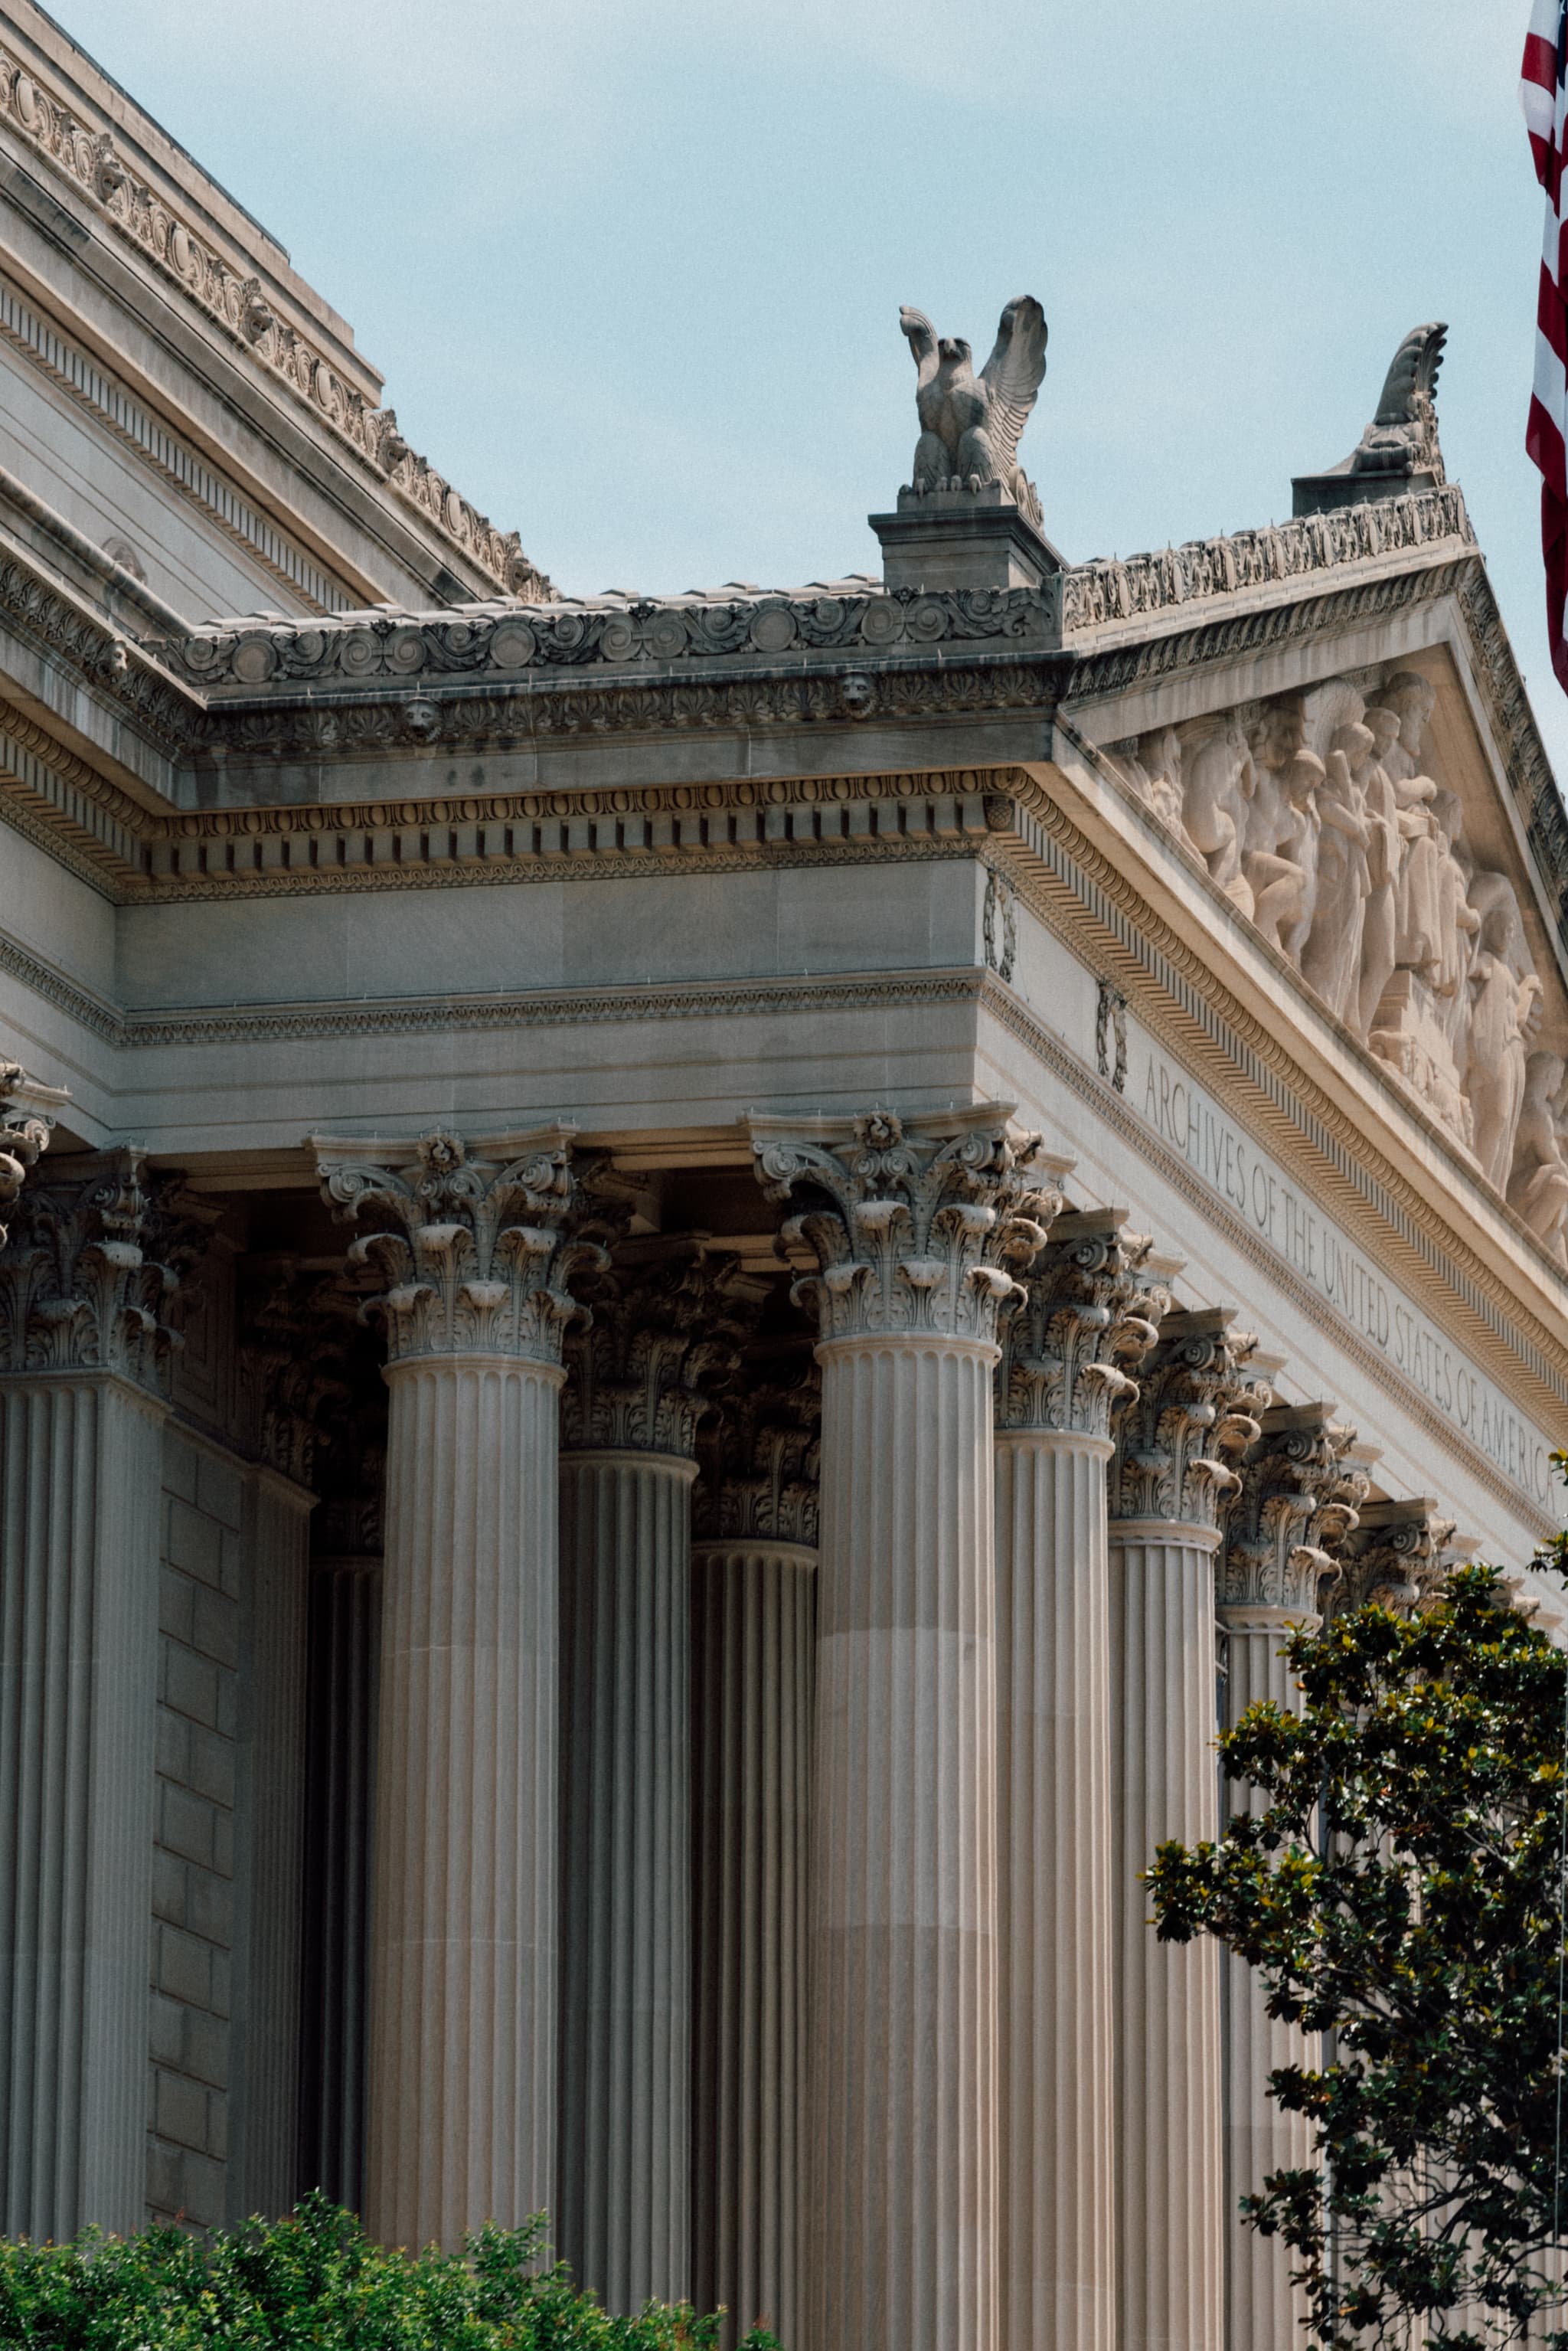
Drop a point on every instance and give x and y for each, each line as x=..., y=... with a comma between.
x=313, y=2280
x=1399, y=1887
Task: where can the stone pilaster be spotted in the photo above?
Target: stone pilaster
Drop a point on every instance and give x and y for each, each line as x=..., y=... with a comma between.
x=1193, y=1410
x=1083, y=1323
x=917, y=1231
x=86, y=1285
x=1284, y=1527
x=469, y=1239
x=665, y=1322
x=754, y=1557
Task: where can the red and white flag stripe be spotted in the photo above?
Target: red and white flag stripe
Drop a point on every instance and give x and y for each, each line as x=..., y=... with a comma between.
x=1544, y=98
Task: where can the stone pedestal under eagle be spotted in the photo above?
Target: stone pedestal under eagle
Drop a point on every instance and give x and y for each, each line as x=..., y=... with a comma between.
x=970, y=424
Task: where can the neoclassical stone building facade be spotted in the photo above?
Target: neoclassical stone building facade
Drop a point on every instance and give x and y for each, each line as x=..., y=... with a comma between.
x=707, y=1276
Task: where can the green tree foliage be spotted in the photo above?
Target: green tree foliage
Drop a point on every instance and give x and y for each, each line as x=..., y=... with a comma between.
x=313, y=2282
x=1400, y=1890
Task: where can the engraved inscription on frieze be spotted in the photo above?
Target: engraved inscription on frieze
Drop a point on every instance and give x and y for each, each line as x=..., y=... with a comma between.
x=1231, y=1167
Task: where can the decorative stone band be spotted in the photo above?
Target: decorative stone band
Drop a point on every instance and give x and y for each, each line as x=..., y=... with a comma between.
x=94, y=1261
x=1097, y=594
x=1396, y=1556
x=665, y=1324
x=1294, y=1504
x=1190, y=1415
x=1083, y=1319
x=470, y=1238
x=916, y=1231
x=832, y=619
x=138, y=213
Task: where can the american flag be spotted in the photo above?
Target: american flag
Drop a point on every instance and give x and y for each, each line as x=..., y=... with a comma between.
x=1545, y=103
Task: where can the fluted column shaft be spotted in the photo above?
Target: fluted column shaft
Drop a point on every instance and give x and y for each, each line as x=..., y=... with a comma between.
x=1056, y=1998
x=264, y=2151
x=344, y=1644
x=463, y=1938
x=1262, y=2307
x=753, y=1620
x=466, y=1894
x=80, y=1473
x=916, y=1228
x=1169, y=2145
x=625, y=2073
x=903, y=1913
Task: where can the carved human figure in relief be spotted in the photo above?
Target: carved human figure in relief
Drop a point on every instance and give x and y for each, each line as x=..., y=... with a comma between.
x=1458, y=925
x=1400, y=717
x=969, y=424
x=1379, y=941
x=1332, y=961
x=1152, y=765
x=1505, y=1017
x=1218, y=781
x=1280, y=858
x=1538, y=1188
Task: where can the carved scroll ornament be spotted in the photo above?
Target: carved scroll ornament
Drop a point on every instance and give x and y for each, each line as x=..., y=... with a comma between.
x=916, y=1229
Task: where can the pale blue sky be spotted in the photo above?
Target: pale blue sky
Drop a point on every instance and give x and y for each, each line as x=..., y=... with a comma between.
x=633, y=267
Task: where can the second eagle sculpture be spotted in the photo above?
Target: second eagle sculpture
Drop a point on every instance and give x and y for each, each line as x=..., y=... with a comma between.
x=970, y=424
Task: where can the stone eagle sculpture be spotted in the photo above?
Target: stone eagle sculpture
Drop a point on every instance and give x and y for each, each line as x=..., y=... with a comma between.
x=970, y=424
x=1402, y=438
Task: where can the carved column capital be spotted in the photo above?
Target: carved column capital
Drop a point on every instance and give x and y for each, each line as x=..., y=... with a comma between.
x=1297, y=1502
x=26, y=1115
x=296, y=1329
x=758, y=1454
x=1192, y=1413
x=1396, y=1556
x=664, y=1322
x=916, y=1227
x=470, y=1238
x=90, y=1276
x=1078, y=1325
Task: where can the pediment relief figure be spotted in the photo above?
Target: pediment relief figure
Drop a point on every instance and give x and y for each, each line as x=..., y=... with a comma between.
x=1326, y=818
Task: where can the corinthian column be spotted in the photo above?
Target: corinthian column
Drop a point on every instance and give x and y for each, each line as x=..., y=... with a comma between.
x=753, y=1569
x=1067, y=1346
x=85, y=1287
x=915, y=1233
x=1296, y=1507
x=667, y=1320
x=461, y=2124
x=1166, y=1480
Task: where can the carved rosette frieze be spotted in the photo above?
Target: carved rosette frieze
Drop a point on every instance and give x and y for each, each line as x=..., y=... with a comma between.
x=94, y=1265
x=1297, y=1501
x=666, y=1324
x=1080, y=1324
x=758, y=1454
x=1396, y=1556
x=916, y=1229
x=472, y=1239
x=1193, y=1415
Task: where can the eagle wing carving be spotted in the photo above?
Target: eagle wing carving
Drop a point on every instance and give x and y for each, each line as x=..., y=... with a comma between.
x=1012, y=377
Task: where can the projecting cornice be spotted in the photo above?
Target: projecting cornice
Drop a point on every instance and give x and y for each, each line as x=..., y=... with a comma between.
x=257, y=318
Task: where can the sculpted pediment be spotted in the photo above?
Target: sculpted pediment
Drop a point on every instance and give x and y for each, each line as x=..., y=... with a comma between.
x=1366, y=824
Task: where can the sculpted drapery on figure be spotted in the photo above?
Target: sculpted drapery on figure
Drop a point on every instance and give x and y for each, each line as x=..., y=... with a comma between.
x=1318, y=817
